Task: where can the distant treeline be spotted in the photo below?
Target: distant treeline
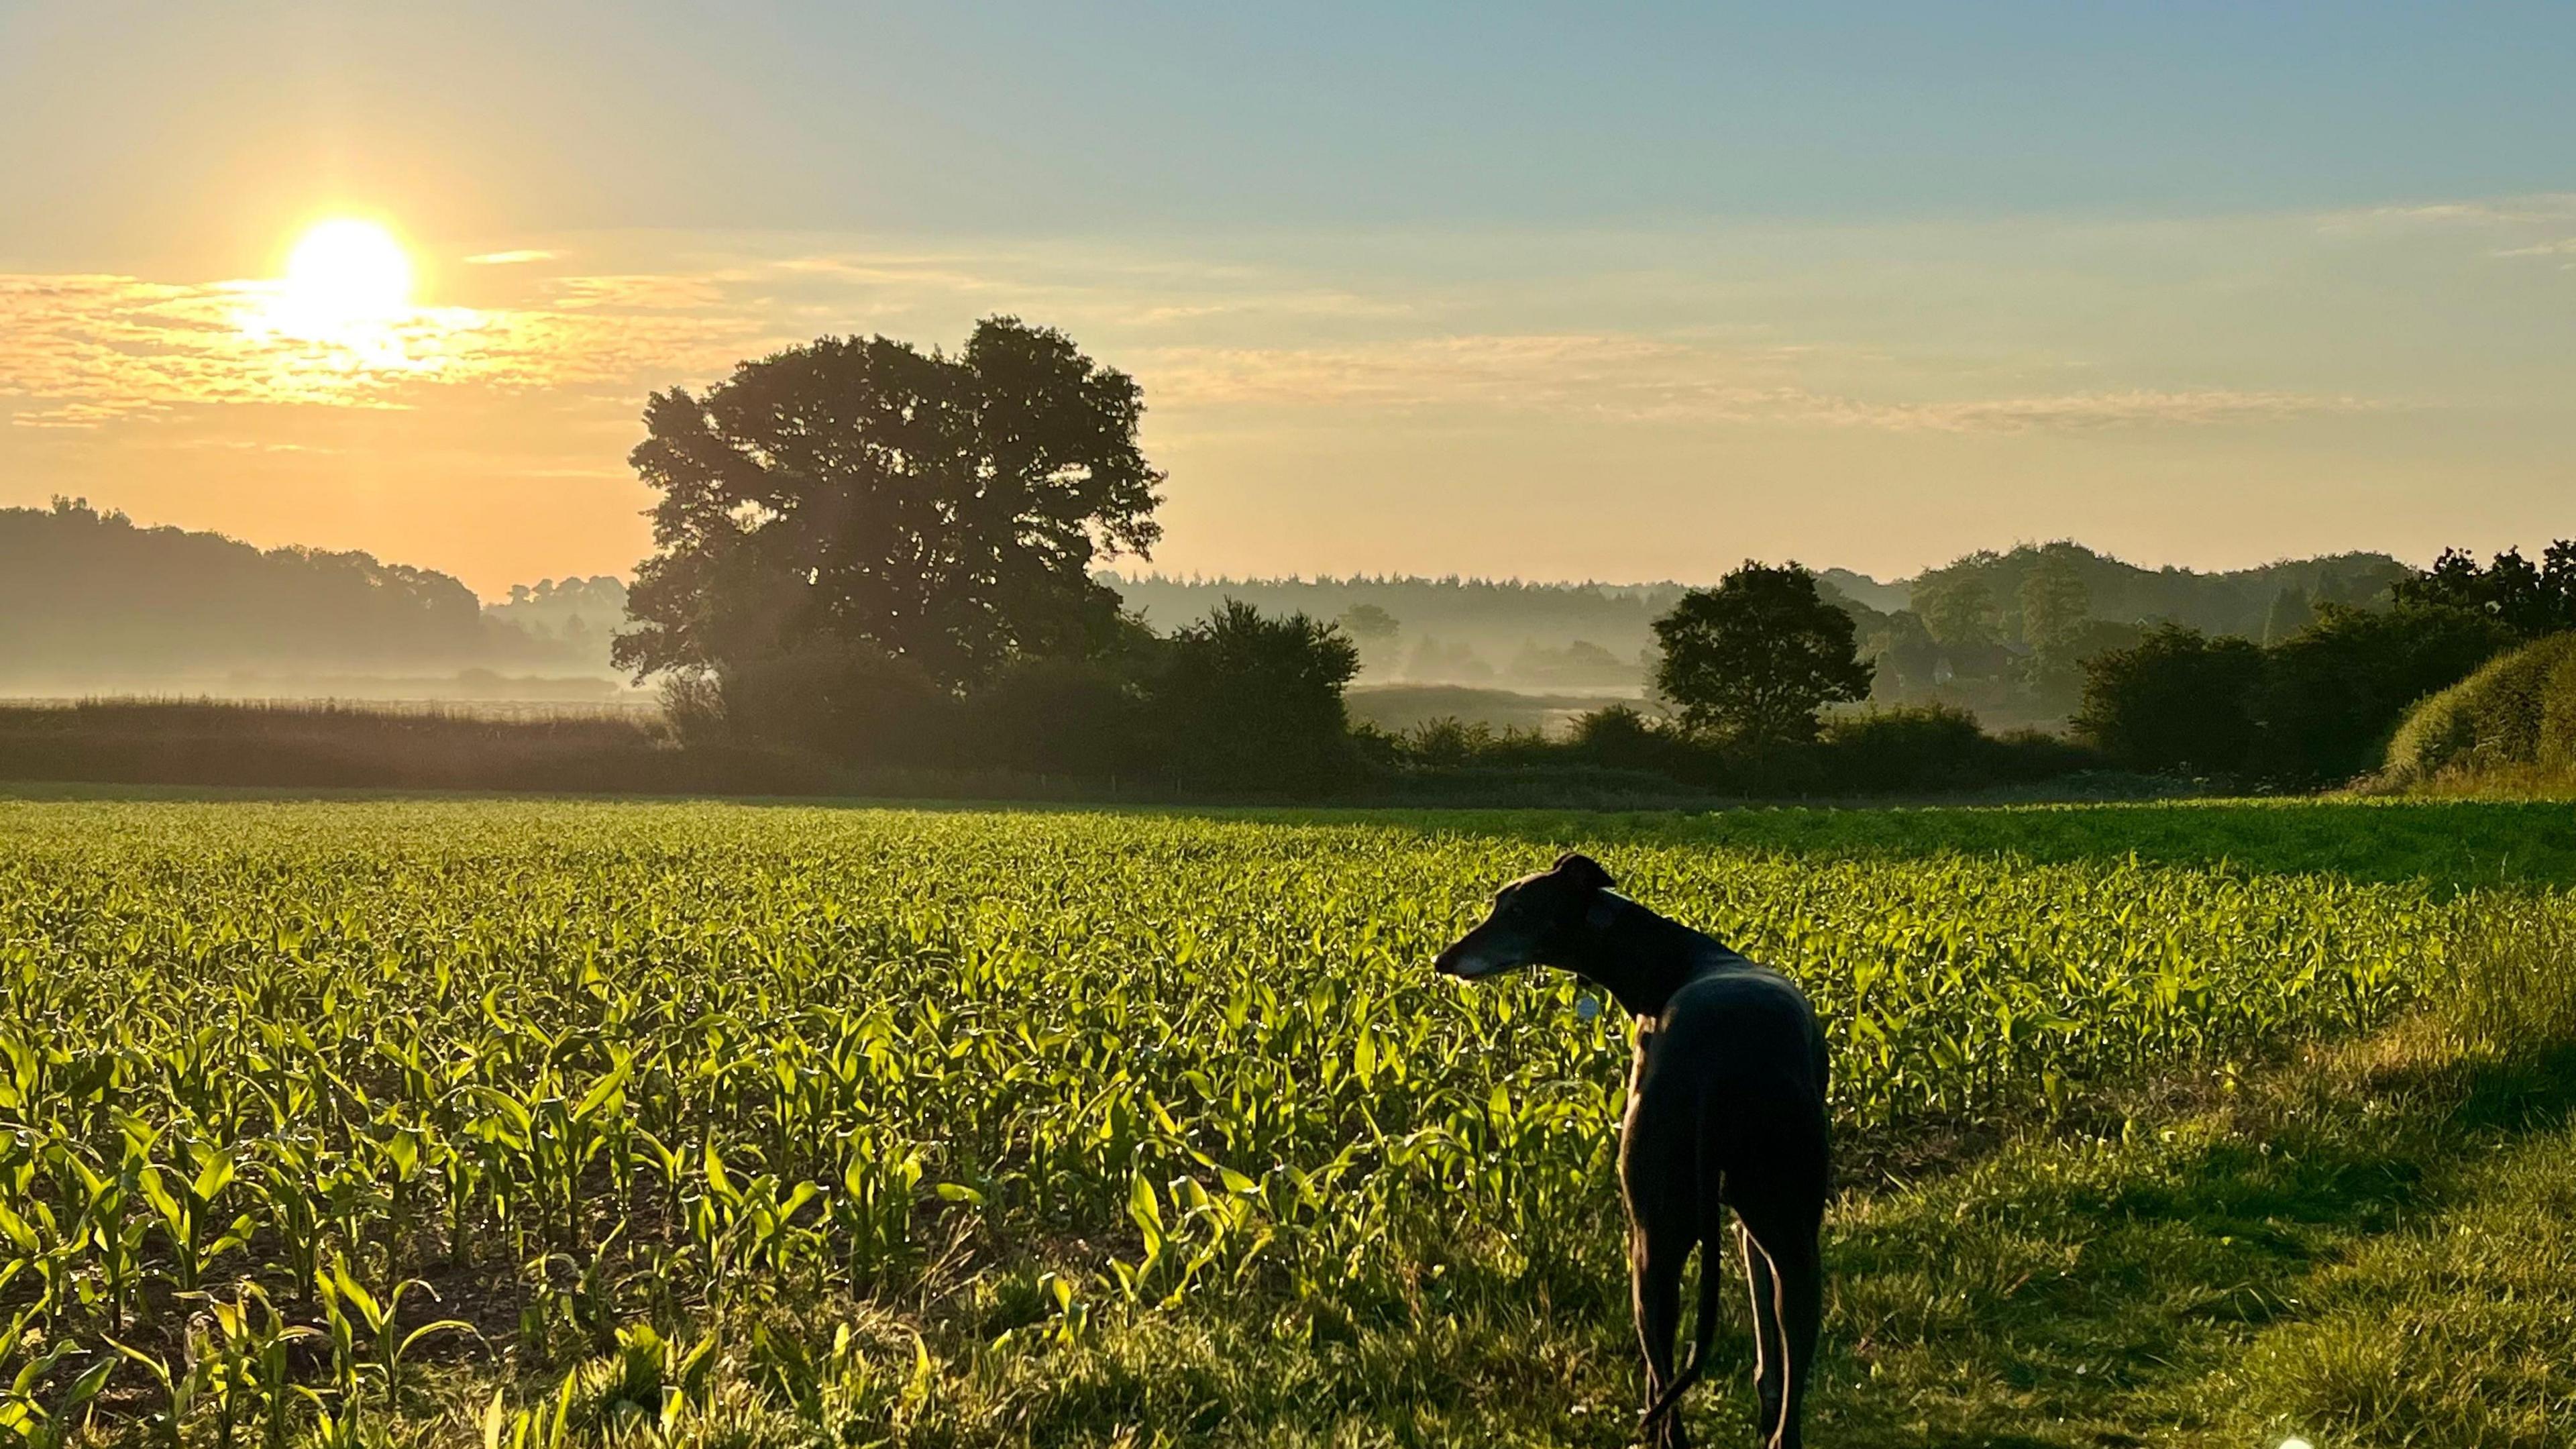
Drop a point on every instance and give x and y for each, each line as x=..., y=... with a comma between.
x=1962, y=634
x=577, y=615
x=2008, y=636
x=96, y=602
x=92, y=601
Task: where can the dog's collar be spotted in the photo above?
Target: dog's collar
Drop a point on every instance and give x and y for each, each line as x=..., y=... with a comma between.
x=1606, y=906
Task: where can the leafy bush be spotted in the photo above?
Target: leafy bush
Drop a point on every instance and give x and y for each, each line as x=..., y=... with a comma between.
x=2179, y=700
x=843, y=698
x=1248, y=700
x=2318, y=706
x=2333, y=691
x=2520, y=710
x=1622, y=737
x=1057, y=717
x=693, y=701
x=1907, y=748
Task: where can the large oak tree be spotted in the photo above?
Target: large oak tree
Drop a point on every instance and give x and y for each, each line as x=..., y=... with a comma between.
x=945, y=509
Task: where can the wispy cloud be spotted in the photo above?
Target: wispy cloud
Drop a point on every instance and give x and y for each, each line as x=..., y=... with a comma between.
x=653, y=293
x=91, y=350
x=510, y=259
x=2203, y=407
x=2506, y=211
x=2523, y=226
x=1649, y=379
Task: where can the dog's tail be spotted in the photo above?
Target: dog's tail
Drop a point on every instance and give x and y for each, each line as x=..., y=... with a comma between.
x=1703, y=1334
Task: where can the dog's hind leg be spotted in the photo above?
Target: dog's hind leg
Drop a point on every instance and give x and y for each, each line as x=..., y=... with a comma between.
x=1656, y=1252
x=1770, y=1355
x=1799, y=1270
x=1785, y=1237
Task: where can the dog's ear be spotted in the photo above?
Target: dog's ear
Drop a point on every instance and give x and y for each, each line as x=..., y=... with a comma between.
x=1586, y=871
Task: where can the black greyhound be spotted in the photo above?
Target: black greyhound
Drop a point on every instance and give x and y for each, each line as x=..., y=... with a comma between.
x=1726, y=1108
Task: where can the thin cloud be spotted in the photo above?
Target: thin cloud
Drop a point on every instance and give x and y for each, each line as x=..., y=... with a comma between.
x=1647, y=379
x=2503, y=211
x=653, y=292
x=510, y=259
x=94, y=350
x=89, y=351
x=2136, y=408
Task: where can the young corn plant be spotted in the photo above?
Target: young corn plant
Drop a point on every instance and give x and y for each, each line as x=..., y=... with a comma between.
x=184, y=1201
x=181, y=1385
x=244, y=1351
x=42, y=1420
x=350, y=1309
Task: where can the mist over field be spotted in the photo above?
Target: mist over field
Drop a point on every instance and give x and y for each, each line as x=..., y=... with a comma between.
x=104, y=605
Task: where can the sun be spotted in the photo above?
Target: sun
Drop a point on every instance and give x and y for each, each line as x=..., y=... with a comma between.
x=344, y=275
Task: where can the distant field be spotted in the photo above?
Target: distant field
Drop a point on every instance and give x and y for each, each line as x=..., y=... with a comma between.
x=792, y=1124
x=1402, y=706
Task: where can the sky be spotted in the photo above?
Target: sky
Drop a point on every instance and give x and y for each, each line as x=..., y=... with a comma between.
x=1621, y=292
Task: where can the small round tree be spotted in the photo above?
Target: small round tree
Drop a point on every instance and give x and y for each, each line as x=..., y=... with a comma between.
x=1752, y=660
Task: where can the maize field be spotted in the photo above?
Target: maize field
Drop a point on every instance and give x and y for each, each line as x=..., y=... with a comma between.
x=527, y=1123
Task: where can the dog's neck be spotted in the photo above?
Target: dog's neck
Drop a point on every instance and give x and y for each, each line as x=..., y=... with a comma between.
x=1641, y=957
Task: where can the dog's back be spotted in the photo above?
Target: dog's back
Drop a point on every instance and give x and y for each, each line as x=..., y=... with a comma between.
x=1733, y=1075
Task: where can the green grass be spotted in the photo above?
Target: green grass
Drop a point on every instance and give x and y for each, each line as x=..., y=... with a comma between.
x=2365, y=1245
x=2451, y=844
x=1147, y=1127
x=2448, y=843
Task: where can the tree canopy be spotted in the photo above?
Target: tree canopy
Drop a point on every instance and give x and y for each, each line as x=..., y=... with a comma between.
x=1256, y=699
x=2529, y=599
x=1755, y=658
x=2179, y=699
x=944, y=509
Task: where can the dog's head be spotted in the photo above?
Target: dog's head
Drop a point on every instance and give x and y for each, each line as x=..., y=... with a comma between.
x=1534, y=920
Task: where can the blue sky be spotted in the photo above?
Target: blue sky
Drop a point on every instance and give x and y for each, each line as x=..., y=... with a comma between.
x=1105, y=118
x=1864, y=284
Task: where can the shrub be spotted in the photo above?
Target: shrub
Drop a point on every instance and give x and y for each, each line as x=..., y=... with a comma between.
x=2519, y=710
x=2179, y=699
x=1246, y=700
x=694, y=704
x=2021, y=756
x=1913, y=747
x=1447, y=741
x=1056, y=717
x=842, y=698
x=2333, y=691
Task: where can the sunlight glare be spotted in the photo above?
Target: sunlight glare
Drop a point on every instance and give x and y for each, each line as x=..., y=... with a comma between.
x=344, y=276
